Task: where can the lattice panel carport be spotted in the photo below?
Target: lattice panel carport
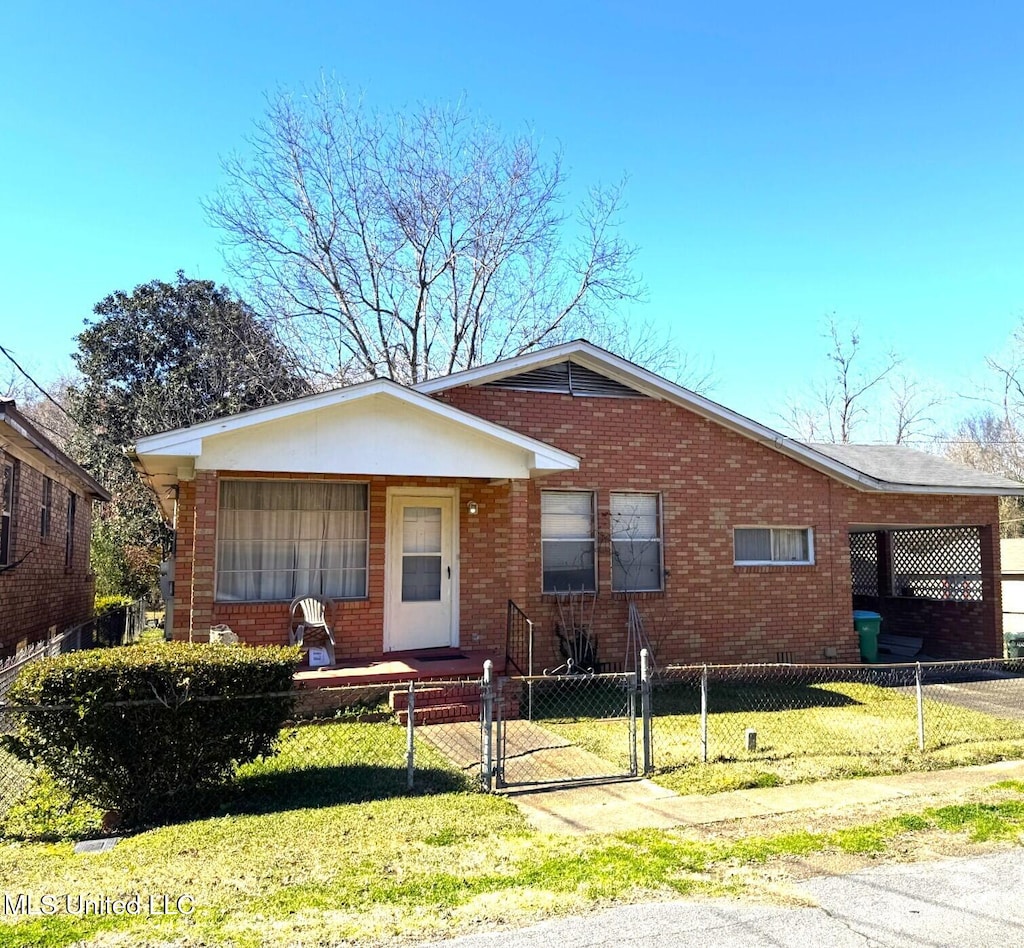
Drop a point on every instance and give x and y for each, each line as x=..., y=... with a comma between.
x=864, y=563
x=937, y=563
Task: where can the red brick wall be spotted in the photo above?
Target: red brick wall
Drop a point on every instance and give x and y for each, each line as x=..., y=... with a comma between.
x=40, y=593
x=710, y=479
x=484, y=556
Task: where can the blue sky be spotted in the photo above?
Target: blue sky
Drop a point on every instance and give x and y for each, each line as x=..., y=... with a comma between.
x=784, y=160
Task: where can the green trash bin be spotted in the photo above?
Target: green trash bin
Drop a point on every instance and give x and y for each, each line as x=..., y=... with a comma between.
x=1014, y=644
x=868, y=625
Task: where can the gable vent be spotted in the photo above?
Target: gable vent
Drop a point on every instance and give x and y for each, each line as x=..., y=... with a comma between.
x=566, y=378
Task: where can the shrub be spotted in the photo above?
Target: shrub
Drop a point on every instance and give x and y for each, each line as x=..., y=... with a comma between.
x=146, y=730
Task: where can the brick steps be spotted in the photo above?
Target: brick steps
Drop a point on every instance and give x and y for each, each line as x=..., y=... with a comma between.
x=445, y=704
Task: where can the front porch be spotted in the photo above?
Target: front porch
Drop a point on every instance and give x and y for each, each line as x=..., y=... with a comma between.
x=373, y=689
x=439, y=664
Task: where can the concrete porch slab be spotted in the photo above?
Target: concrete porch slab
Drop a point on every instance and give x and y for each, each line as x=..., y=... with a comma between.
x=420, y=665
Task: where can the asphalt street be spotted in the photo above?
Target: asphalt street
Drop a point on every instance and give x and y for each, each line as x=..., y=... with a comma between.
x=961, y=902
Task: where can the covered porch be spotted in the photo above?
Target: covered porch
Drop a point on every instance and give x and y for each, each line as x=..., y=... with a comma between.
x=407, y=513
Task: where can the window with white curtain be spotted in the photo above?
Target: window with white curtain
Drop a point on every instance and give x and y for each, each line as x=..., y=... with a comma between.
x=567, y=541
x=280, y=539
x=636, y=543
x=758, y=546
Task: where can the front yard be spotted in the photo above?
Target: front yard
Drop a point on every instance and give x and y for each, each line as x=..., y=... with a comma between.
x=325, y=844
x=386, y=870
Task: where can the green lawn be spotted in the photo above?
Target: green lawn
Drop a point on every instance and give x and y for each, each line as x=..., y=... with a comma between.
x=325, y=843
x=395, y=868
x=827, y=731
x=316, y=765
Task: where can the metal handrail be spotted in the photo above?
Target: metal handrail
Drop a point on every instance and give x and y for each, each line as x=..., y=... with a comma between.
x=518, y=640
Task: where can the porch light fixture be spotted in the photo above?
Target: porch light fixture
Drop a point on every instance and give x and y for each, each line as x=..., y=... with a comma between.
x=474, y=508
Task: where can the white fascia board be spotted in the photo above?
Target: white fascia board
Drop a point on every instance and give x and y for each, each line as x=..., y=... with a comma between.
x=888, y=487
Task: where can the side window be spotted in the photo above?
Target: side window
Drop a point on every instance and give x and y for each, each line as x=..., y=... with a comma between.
x=69, y=534
x=766, y=546
x=46, y=508
x=567, y=541
x=636, y=542
x=6, y=512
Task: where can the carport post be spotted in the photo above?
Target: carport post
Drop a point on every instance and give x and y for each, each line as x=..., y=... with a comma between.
x=704, y=713
x=645, y=707
x=920, y=708
x=486, y=729
x=410, y=735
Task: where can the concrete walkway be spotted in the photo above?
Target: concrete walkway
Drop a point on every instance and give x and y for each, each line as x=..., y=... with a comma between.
x=534, y=754
x=641, y=804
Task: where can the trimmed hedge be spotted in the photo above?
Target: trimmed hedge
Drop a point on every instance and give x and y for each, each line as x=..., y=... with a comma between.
x=147, y=730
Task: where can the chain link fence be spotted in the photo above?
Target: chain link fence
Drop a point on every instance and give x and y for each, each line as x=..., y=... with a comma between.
x=565, y=728
x=693, y=728
x=340, y=745
x=780, y=723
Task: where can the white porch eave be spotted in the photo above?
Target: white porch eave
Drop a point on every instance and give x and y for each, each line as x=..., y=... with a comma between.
x=377, y=428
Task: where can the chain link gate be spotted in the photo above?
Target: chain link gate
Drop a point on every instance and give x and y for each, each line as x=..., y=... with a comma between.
x=559, y=729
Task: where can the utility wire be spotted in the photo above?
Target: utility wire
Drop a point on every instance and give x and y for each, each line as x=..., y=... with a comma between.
x=45, y=393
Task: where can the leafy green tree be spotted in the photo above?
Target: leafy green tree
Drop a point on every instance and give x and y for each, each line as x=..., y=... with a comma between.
x=164, y=356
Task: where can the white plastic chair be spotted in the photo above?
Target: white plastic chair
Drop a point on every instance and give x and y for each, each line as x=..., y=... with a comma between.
x=309, y=614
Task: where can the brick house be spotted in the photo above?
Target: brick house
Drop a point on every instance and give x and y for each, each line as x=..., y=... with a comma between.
x=422, y=512
x=45, y=528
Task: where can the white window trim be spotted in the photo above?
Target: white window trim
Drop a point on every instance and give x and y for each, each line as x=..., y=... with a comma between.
x=305, y=480
x=659, y=540
x=760, y=526
x=593, y=537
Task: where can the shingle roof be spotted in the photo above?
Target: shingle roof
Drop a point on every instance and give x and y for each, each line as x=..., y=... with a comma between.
x=897, y=464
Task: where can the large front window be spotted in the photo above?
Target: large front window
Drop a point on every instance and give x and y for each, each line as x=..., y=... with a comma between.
x=280, y=539
x=567, y=541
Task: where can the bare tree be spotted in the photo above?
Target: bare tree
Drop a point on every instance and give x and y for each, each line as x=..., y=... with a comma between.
x=991, y=441
x=912, y=404
x=413, y=245
x=993, y=438
x=47, y=411
x=845, y=397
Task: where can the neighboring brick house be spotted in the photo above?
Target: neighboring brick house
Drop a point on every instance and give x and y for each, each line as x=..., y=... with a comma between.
x=45, y=528
x=424, y=511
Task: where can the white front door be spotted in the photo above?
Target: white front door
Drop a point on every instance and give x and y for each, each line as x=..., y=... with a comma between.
x=421, y=579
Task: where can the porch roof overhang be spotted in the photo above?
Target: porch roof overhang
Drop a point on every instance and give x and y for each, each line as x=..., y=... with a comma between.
x=376, y=427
